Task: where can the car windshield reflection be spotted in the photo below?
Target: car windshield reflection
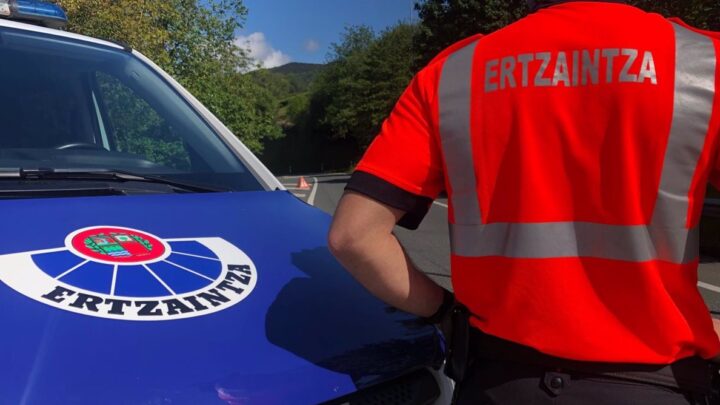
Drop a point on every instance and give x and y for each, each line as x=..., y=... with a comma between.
x=74, y=105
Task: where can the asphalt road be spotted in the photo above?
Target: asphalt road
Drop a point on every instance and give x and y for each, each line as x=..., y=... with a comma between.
x=429, y=246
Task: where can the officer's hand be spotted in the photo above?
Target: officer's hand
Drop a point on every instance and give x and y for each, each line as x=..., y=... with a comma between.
x=443, y=318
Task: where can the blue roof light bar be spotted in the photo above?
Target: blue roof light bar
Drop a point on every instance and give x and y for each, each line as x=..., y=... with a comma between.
x=34, y=11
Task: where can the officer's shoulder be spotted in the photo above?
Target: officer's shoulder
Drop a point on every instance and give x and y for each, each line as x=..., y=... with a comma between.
x=712, y=34
x=454, y=48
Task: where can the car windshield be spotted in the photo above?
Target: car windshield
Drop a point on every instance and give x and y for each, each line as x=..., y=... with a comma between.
x=73, y=106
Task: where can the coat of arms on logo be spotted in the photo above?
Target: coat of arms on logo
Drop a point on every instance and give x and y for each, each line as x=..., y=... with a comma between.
x=117, y=245
x=122, y=273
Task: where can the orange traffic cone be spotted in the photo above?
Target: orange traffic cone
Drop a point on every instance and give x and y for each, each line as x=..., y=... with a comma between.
x=303, y=184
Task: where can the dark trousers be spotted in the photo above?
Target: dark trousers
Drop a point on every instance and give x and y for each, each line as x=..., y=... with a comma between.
x=500, y=382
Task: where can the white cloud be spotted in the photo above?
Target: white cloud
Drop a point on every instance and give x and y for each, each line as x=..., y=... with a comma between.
x=261, y=51
x=312, y=45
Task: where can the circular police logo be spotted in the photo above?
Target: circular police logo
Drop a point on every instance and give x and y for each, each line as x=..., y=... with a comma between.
x=113, y=245
x=123, y=273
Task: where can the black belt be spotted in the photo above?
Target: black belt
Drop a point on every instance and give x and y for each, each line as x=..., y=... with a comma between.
x=692, y=374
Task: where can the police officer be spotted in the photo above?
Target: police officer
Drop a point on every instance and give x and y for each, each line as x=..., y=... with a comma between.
x=575, y=147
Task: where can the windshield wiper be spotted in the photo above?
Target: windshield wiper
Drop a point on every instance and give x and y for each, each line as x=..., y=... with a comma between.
x=100, y=175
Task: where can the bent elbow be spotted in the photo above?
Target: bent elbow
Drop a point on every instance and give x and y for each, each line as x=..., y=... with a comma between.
x=344, y=241
x=339, y=240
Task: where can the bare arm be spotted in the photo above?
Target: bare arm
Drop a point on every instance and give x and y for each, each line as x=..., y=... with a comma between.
x=361, y=239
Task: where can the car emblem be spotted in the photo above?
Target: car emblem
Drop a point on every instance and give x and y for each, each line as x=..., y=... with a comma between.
x=122, y=273
x=113, y=245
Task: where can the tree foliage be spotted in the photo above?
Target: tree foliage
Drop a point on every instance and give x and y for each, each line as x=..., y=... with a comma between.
x=367, y=72
x=703, y=14
x=444, y=22
x=194, y=40
x=366, y=75
x=137, y=127
x=289, y=84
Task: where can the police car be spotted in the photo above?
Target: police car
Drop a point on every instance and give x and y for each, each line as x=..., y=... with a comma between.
x=147, y=257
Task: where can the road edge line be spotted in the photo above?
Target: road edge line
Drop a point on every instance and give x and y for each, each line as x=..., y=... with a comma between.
x=311, y=198
x=709, y=287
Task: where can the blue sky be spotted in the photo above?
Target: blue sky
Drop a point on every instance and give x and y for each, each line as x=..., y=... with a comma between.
x=282, y=31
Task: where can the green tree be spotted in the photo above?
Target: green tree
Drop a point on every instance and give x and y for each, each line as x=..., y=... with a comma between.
x=355, y=39
x=194, y=40
x=366, y=75
x=703, y=14
x=444, y=22
x=277, y=84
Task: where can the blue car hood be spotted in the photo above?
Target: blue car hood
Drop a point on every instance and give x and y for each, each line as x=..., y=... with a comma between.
x=226, y=298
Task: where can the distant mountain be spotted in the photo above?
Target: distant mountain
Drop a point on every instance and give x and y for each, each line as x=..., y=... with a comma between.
x=300, y=75
x=290, y=86
x=297, y=68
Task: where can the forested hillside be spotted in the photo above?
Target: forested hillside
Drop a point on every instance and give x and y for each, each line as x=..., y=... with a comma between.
x=368, y=71
x=329, y=125
x=301, y=75
x=194, y=40
x=304, y=117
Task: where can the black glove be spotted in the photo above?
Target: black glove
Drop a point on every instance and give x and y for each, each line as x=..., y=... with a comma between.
x=452, y=319
x=442, y=313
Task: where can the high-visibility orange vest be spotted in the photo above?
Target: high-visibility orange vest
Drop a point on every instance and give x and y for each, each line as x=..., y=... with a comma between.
x=575, y=146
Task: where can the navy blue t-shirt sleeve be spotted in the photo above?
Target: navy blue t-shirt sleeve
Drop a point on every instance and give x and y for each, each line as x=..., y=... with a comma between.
x=415, y=206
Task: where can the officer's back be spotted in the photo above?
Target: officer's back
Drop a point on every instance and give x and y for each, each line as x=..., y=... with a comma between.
x=591, y=145
x=575, y=147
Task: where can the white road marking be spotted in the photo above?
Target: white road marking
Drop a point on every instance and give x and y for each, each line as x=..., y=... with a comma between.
x=311, y=199
x=440, y=204
x=159, y=279
x=709, y=287
x=71, y=270
x=114, y=280
x=198, y=256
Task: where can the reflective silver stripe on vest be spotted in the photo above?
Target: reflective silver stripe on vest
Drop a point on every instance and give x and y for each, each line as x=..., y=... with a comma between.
x=666, y=238
x=455, y=97
x=575, y=239
x=692, y=110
